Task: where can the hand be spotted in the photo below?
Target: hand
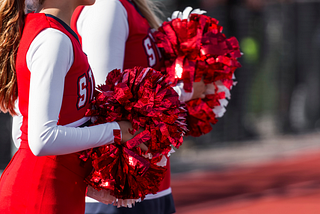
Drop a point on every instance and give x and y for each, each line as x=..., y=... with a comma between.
x=186, y=13
x=198, y=90
x=125, y=126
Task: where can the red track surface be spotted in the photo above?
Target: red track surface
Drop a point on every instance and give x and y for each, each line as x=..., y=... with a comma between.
x=290, y=186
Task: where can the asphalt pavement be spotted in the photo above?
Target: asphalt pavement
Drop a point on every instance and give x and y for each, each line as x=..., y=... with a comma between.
x=275, y=175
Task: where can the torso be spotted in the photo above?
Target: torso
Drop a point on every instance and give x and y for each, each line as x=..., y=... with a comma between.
x=79, y=82
x=140, y=50
x=32, y=184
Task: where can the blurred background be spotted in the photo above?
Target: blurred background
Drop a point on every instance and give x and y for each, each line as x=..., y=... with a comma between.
x=266, y=148
x=274, y=111
x=279, y=82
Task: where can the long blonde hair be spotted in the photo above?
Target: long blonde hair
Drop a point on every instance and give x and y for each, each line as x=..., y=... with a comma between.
x=149, y=9
x=11, y=25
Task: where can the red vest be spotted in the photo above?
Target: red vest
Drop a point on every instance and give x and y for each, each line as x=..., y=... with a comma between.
x=79, y=81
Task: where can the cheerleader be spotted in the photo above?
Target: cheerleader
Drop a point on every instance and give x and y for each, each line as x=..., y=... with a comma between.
x=116, y=34
x=43, y=66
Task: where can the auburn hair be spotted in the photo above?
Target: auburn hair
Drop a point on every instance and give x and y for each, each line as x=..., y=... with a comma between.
x=11, y=25
x=149, y=9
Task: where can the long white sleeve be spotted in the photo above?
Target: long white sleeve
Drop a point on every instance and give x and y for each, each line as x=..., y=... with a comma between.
x=16, y=124
x=104, y=30
x=49, y=58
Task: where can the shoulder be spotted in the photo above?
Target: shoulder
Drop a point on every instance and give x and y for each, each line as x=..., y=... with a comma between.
x=48, y=47
x=52, y=37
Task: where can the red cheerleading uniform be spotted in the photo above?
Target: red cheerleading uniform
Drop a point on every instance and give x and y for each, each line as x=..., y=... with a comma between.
x=47, y=184
x=140, y=50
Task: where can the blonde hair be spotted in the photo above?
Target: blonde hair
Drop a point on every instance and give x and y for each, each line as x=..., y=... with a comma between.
x=149, y=9
x=11, y=25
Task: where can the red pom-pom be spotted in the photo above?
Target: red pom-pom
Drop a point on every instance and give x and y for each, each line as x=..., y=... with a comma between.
x=143, y=97
x=195, y=49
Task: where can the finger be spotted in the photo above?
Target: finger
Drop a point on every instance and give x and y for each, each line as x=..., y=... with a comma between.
x=186, y=12
x=198, y=11
x=143, y=147
x=138, y=131
x=203, y=96
x=175, y=14
x=203, y=11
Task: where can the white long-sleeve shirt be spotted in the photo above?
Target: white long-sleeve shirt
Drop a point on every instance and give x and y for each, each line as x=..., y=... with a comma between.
x=48, y=70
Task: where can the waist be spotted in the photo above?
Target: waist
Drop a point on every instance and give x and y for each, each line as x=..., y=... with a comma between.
x=70, y=161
